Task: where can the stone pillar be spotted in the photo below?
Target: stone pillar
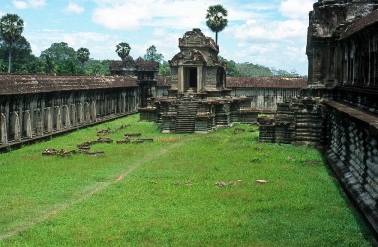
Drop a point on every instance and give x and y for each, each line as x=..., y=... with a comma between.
x=80, y=114
x=73, y=115
x=16, y=127
x=93, y=111
x=199, y=79
x=4, y=131
x=180, y=84
x=58, y=119
x=66, y=117
x=48, y=120
x=39, y=122
x=28, y=124
x=123, y=99
x=87, y=114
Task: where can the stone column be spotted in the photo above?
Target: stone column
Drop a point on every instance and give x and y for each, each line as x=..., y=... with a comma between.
x=93, y=111
x=80, y=114
x=66, y=117
x=73, y=115
x=199, y=79
x=87, y=114
x=16, y=126
x=180, y=84
x=39, y=122
x=58, y=119
x=48, y=120
x=28, y=124
x=4, y=131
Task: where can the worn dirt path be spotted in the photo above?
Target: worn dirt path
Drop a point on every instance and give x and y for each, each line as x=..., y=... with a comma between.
x=90, y=193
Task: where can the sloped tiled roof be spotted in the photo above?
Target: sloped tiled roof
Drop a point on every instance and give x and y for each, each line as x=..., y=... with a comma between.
x=31, y=83
x=360, y=24
x=248, y=82
x=266, y=82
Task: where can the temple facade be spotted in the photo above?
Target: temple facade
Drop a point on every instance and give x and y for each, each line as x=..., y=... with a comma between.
x=339, y=109
x=197, y=99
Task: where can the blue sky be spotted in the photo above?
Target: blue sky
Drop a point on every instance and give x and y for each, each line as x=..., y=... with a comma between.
x=271, y=32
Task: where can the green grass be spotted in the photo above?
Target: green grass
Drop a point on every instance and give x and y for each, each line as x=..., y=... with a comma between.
x=129, y=196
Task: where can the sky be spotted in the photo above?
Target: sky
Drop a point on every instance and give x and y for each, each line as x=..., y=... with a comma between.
x=271, y=33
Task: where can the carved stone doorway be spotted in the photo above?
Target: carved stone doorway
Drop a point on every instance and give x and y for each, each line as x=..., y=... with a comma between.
x=191, y=78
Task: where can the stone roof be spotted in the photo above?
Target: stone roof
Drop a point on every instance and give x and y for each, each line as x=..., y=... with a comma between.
x=116, y=65
x=360, y=24
x=247, y=82
x=32, y=83
x=147, y=66
x=266, y=82
x=164, y=81
x=139, y=65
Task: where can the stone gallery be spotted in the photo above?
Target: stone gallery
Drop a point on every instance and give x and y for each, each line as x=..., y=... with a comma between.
x=338, y=110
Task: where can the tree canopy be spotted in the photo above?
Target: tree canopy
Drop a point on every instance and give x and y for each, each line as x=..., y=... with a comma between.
x=123, y=50
x=59, y=53
x=82, y=55
x=21, y=55
x=11, y=28
x=152, y=55
x=216, y=19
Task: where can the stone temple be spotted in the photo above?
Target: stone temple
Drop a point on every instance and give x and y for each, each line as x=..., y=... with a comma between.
x=198, y=100
x=336, y=109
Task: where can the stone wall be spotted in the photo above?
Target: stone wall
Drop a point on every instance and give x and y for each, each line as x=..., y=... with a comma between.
x=353, y=154
x=32, y=107
x=264, y=93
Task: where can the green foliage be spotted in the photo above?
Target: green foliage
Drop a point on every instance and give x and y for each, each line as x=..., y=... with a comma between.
x=3, y=66
x=215, y=19
x=11, y=28
x=123, y=50
x=82, y=55
x=253, y=70
x=164, y=68
x=100, y=67
x=21, y=55
x=36, y=67
x=152, y=55
x=231, y=70
x=59, y=53
x=139, y=195
x=70, y=67
x=49, y=64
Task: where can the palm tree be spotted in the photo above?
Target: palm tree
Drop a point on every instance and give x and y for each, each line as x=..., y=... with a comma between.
x=216, y=20
x=11, y=27
x=82, y=55
x=123, y=50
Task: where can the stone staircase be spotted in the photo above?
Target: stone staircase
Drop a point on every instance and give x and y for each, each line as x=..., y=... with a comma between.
x=186, y=112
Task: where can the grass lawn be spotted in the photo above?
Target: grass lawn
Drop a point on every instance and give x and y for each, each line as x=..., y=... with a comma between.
x=163, y=193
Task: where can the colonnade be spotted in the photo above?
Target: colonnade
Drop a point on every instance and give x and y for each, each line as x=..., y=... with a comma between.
x=27, y=117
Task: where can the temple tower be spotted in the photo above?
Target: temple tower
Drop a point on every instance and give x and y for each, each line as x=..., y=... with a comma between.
x=196, y=68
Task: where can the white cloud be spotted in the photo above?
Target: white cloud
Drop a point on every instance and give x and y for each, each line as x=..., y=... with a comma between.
x=29, y=4
x=296, y=9
x=123, y=17
x=100, y=45
x=177, y=14
x=20, y=4
x=73, y=8
x=256, y=31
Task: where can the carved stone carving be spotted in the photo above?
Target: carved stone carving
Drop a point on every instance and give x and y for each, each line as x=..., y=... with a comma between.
x=186, y=56
x=196, y=39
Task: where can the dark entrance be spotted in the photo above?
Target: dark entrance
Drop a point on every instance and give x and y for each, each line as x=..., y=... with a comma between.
x=193, y=77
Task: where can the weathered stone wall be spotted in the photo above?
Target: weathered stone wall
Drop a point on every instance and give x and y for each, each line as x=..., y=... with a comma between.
x=353, y=154
x=40, y=110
